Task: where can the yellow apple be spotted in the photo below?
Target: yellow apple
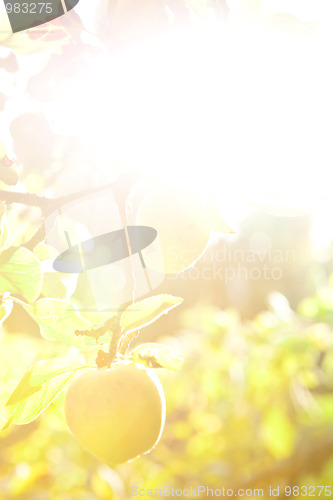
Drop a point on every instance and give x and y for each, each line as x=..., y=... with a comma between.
x=117, y=413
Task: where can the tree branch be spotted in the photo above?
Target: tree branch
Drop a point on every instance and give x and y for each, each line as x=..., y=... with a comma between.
x=121, y=187
x=30, y=200
x=48, y=205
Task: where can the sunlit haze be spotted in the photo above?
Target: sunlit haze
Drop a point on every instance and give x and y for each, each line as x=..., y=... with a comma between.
x=249, y=114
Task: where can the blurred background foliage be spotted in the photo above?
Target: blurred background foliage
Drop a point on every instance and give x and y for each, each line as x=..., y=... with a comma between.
x=252, y=405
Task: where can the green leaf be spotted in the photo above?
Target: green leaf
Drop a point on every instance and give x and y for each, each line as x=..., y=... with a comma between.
x=20, y=273
x=6, y=306
x=41, y=384
x=55, y=285
x=147, y=311
x=103, y=319
x=103, y=324
x=59, y=320
x=45, y=252
x=156, y=356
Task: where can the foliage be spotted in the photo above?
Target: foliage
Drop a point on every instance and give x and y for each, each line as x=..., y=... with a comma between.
x=257, y=401
x=59, y=320
x=252, y=404
x=37, y=389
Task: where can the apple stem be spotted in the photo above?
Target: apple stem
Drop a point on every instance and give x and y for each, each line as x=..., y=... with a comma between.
x=102, y=359
x=126, y=340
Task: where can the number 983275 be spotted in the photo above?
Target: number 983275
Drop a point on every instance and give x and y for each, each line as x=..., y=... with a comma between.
x=29, y=8
x=307, y=491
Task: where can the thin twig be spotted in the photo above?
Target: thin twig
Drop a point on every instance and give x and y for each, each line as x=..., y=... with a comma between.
x=125, y=341
x=113, y=348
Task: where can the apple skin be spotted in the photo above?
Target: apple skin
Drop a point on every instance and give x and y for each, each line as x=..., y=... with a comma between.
x=117, y=413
